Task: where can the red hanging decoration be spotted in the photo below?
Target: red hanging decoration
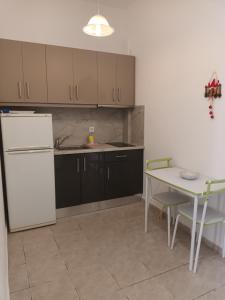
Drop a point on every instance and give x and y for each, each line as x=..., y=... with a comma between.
x=212, y=91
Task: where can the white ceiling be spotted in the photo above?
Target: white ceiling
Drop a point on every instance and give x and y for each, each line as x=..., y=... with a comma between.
x=114, y=3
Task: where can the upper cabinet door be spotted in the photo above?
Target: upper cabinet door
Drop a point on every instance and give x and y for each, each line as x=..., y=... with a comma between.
x=11, y=75
x=125, y=79
x=85, y=77
x=59, y=62
x=107, y=78
x=34, y=71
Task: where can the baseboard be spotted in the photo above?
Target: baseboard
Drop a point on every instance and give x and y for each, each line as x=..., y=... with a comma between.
x=95, y=206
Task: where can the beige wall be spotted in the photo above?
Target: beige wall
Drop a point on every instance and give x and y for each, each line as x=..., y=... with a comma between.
x=178, y=44
x=60, y=22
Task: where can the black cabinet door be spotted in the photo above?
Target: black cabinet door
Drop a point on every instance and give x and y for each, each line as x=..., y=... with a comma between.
x=92, y=177
x=123, y=173
x=68, y=180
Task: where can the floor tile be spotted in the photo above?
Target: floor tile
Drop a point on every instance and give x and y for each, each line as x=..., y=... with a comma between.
x=127, y=271
x=22, y=295
x=217, y=294
x=70, y=242
x=60, y=229
x=148, y=290
x=18, y=278
x=93, y=282
x=45, y=247
x=186, y=285
x=61, y=289
x=46, y=270
x=15, y=250
x=160, y=258
x=35, y=235
x=84, y=255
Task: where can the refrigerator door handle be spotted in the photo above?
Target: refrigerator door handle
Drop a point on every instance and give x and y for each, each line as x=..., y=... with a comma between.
x=28, y=148
x=29, y=151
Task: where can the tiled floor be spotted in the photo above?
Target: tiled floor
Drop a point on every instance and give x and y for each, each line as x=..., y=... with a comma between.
x=107, y=256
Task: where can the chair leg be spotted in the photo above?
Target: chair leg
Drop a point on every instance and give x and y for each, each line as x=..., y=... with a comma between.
x=175, y=231
x=224, y=239
x=200, y=237
x=168, y=224
x=174, y=214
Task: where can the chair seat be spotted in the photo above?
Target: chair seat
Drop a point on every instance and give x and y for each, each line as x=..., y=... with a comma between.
x=212, y=216
x=171, y=198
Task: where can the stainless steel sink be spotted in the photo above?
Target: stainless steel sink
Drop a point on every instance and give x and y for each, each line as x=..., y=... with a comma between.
x=71, y=147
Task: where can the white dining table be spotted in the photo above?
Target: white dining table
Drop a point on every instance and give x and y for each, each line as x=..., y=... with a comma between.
x=193, y=188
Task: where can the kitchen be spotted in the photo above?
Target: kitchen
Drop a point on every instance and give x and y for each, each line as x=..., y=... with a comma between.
x=98, y=248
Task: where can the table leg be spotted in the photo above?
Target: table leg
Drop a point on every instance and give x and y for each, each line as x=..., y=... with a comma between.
x=146, y=202
x=193, y=232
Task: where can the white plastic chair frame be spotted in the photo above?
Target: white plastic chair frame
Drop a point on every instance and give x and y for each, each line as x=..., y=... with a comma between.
x=209, y=192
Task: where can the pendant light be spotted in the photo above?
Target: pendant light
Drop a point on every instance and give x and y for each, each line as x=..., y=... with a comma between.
x=98, y=26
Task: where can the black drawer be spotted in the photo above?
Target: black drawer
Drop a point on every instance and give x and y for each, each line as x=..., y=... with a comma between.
x=123, y=155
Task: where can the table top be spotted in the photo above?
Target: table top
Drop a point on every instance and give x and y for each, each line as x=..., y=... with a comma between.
x=171, y=176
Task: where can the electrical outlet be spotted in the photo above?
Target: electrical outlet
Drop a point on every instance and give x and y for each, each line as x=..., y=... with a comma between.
x=91, y=129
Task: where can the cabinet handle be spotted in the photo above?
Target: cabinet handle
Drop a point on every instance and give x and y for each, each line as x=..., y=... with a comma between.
x=77, y=92
x=28, y=89
x=118, y=95
x=84, y=164
x=121, y=156
x=108, y=173
x=78, y=165
x=113, y=94
x=70, y=91
x=19, y=89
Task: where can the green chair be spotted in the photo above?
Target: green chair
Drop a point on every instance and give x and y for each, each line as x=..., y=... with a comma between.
x=170, y=199
x=205, y=215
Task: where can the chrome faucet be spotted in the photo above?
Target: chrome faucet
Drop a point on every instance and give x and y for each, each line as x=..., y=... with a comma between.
x=59, y=140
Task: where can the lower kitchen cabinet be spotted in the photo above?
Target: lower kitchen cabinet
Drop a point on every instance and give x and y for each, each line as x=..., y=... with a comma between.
x=92, y=177
x=67, y=180
x=123, y=173
x=79, y=179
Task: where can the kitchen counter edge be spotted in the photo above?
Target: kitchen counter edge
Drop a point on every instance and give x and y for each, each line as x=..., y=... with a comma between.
x=79, y=151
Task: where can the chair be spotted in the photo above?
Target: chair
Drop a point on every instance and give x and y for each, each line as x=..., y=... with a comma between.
x=205, y=216
x=170, y=199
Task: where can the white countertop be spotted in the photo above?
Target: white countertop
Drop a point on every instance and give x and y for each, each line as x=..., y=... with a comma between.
x=108, y=149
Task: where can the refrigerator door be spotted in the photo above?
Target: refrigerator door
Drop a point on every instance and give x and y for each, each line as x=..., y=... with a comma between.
x=21, y=132
x=30, y=188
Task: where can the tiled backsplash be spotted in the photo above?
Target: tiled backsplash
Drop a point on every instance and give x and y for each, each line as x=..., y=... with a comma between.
x=111, y=124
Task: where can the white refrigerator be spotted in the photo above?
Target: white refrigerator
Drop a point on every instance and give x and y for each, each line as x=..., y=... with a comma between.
x=29, y=170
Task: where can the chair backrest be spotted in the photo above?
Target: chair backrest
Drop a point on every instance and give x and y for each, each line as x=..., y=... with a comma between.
x=214, y=187
x=159, y=163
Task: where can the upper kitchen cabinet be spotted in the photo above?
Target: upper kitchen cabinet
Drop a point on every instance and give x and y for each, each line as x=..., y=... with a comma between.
x=85, y=77
x=116, y=78
x=107, y=78
x=125, y=79
x=59, y=62
x=11, y=73
x=34, y=72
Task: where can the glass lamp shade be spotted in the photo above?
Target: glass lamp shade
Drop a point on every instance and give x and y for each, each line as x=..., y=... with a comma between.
x=98, y=26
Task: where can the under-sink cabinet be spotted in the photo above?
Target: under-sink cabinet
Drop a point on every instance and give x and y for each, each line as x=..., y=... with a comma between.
x=79, y=179
x=92, y=177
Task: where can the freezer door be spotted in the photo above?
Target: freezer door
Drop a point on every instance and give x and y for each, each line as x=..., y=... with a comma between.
x=30, y=188
x=26, y=132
